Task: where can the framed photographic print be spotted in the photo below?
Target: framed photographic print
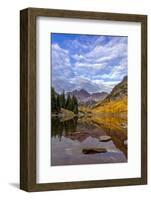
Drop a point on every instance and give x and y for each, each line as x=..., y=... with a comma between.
x=83, y=99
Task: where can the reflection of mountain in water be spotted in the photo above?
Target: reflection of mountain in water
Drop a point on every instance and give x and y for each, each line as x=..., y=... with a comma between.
x=81, y=129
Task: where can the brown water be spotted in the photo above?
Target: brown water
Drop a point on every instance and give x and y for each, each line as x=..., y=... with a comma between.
x=71, y=136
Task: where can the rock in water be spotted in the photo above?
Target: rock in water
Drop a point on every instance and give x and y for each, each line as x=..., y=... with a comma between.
x=104, y=138
x=94, y=150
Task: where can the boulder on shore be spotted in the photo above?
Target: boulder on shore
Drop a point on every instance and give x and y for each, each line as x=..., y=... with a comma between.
x=104, y=138
x=94, y=150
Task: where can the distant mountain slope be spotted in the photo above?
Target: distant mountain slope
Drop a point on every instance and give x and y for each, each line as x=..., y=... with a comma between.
x=79, y=94
x=84, y=97
x=116, y=101
x=99, y=96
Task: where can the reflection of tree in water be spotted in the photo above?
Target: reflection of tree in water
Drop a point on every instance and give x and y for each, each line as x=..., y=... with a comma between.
x=60, y=128
x=70, y=125
x=56, y=127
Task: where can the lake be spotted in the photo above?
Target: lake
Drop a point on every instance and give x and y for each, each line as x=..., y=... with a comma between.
x=70, y=137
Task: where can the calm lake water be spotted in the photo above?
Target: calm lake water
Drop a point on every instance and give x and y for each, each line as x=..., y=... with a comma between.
x=71, y=136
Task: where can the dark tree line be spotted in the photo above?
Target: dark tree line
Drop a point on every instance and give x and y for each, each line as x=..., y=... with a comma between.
x=59, y=101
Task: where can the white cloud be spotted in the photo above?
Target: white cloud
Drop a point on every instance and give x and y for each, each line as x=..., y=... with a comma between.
x=105, y=85
x=103, y=55
x=61, y=62
x=58, y=48
x=115, y=49
x=95, y=66
x=89, y=85
x=89, y=65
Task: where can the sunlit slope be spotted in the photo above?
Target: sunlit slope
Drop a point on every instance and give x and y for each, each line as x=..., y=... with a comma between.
x=113, y=106
x=116, y=101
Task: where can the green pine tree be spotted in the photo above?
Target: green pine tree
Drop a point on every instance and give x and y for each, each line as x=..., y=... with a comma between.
x=75, y=104
x=67, y=106
x=53, y=100
x=62, y=100
x=58, y=103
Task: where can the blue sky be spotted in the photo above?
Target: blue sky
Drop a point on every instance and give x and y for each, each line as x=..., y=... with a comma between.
x=95, y=63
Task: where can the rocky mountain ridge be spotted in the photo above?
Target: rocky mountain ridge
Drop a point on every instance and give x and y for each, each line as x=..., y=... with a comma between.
x=85, y=97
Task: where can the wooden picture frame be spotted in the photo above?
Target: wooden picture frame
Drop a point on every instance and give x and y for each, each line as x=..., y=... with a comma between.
x=28, y=98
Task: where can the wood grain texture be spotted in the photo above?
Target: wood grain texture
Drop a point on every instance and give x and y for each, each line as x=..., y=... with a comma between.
x=24, y=182
x=144, y=99
x=28, y=99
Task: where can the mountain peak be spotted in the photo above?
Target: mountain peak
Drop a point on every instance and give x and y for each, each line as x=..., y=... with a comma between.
x=84, y=91
x=83, y=96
